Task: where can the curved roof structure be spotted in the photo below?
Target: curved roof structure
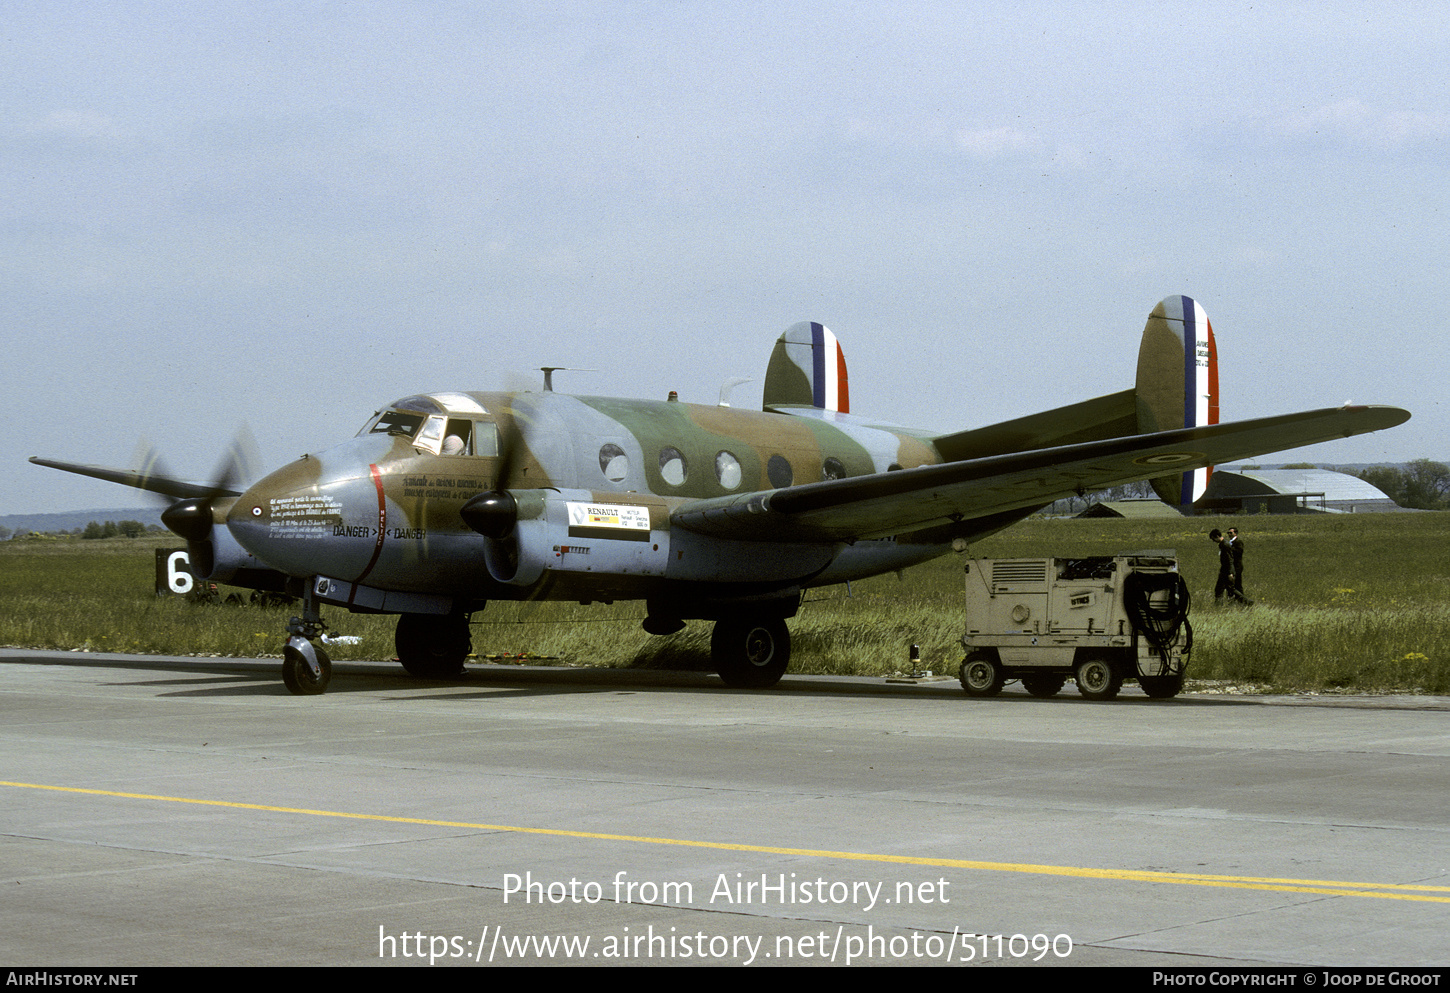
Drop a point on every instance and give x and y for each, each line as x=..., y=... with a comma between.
x=1308, y=489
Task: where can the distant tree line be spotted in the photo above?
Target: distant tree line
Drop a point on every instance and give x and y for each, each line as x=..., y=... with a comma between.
x=114, y=529
x=1421, y=484
x=95, y=529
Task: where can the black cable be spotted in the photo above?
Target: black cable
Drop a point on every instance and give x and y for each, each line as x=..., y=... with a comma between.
x=1160, y=625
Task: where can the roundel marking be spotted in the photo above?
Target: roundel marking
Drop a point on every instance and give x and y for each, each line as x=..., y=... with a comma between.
x=1168, y=458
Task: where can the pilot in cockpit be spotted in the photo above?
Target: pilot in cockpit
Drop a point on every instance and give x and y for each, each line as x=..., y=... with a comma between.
x=456, y=441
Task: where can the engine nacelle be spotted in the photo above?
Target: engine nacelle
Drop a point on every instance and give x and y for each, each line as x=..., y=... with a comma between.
x=571, y=531
x=214, y=554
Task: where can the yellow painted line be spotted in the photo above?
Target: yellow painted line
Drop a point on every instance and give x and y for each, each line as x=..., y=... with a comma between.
x=1382, y=891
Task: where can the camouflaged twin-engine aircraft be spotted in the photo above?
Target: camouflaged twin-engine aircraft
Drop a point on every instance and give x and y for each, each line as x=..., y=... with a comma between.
x=444, y=501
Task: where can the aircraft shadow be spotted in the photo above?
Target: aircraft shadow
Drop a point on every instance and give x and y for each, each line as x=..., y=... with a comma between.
x=233, y=677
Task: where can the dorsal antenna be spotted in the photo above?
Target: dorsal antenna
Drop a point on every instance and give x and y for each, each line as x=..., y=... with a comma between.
x=549, y=370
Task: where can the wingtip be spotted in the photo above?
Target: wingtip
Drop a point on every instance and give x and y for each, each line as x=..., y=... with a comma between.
x=1367, y=418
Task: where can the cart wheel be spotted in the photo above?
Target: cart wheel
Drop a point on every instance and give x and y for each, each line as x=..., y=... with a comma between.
x=982, y=674
x=1162, y=687
x=1098, y=678
x=1043, y=686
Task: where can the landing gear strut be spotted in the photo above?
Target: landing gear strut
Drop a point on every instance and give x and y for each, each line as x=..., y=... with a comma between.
x=306, y=669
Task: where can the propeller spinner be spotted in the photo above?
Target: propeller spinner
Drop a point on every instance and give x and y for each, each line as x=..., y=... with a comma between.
x=203, y=505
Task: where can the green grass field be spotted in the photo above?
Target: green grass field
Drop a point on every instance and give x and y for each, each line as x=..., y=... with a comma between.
x=1344, y=603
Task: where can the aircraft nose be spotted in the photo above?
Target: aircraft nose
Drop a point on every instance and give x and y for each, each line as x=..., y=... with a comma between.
x=304, y=520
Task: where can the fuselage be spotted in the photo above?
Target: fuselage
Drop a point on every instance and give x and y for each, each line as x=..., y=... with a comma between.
x=596, y=479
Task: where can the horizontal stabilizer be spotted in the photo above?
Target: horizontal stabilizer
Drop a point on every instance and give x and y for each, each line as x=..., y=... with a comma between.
x=1112, y=416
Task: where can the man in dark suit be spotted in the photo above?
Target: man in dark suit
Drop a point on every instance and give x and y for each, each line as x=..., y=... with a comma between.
x=1236, y=552
x=1229, y=567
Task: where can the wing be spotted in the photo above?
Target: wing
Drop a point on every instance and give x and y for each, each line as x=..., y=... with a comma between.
x=154, y=482
x=899, y=502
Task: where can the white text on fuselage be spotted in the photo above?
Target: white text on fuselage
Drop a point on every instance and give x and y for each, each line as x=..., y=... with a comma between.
x=300, y=516
x=363, y=531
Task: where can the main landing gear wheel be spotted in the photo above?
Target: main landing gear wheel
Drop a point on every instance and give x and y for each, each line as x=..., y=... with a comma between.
x=982, y=674
x=433, y=646
x=297, y=672
x=1162, y=687
x=1098, y=678
x=750, y=655
x=1043, y=686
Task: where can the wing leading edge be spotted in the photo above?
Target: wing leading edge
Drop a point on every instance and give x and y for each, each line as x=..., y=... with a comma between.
x=953, y=492
x=152, y=482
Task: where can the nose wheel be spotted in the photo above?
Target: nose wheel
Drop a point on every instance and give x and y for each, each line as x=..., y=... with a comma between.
x=306, y=668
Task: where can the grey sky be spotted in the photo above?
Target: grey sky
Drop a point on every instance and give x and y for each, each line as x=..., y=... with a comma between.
x=290, y=213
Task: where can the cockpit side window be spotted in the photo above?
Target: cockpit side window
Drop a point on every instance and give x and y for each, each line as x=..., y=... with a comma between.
x=466, y=437
x=485, y=438
x=430, y=438
x=459, y=438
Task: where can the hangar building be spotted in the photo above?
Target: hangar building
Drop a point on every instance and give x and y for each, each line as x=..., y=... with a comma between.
x=1291, y=491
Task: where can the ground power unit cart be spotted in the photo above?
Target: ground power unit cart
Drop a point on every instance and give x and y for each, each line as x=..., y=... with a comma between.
x=1097, y=620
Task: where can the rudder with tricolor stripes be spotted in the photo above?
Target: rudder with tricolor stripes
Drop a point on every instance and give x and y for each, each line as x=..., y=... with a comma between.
x=807, y=369
x=1177, y=384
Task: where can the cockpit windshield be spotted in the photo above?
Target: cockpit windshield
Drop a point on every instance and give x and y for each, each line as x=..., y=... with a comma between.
x=394, y=422
x=443, y=424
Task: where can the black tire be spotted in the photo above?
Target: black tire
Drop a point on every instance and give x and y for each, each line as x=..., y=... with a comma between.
x=297, y=675
x=750, y=655
x=1043, y=686
x=1162, y=687
x=433, y=646
x=1098, y=678
x=981, y=674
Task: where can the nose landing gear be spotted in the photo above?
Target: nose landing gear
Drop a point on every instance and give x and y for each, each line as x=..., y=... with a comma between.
x=306, y=668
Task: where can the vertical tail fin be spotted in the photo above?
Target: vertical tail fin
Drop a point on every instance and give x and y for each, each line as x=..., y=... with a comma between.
x=1178, y=384
x=807, y=369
